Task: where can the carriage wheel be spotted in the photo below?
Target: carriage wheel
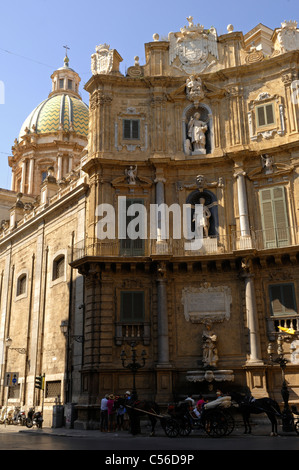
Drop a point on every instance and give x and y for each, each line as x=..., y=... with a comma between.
x=185, y=429
x=171, y=428
x=230, y=422
x=297, y=426
x=215, y=424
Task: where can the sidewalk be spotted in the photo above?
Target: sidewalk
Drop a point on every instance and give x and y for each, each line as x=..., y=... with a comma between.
x=263, y=429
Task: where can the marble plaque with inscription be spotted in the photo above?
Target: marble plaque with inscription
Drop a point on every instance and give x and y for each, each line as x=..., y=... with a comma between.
x=206, y=303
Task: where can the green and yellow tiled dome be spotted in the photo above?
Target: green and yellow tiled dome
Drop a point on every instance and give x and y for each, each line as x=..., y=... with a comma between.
x=58, y=112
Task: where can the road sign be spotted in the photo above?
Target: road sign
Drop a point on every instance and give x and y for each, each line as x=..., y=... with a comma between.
x=11, y=379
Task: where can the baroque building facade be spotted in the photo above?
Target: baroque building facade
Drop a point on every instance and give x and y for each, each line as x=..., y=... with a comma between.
x=209, y=121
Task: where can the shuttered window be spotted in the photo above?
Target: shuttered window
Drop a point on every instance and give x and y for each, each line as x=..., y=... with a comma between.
x=131, y=129
x=129, y=246
x=282, y=299
x=265, y=115
x=274, y=217
x=132, y=306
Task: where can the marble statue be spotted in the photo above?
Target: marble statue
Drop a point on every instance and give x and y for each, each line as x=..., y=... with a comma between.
x=210, y=353
x=196, y=132
x=131, y=174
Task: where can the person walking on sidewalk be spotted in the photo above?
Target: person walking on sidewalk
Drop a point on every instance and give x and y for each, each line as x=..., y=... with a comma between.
x=104, y=414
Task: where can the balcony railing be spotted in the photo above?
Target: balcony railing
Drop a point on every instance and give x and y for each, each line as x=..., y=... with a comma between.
x=132, y=331
x=258, y=240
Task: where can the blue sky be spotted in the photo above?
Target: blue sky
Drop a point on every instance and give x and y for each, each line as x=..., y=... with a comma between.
x=33, y=33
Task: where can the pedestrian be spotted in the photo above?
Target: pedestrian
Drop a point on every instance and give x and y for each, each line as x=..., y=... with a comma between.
x=120, y=416
x=190, y=401
x=111, y=413
x=104, y=414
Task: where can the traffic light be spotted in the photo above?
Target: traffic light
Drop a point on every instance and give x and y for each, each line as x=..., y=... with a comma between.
x=39, y=382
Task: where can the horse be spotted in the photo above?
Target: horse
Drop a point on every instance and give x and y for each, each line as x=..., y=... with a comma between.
x=249, y=405
x=137, y=408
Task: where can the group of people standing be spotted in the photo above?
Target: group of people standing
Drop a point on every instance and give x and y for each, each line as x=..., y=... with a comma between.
x=113, y=414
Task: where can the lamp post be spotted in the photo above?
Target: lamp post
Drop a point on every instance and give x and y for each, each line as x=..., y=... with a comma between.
x=9, y=343
x=287, y=416
x=133, y=366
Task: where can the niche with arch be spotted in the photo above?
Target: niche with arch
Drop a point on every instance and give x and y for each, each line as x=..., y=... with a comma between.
x=197, y=130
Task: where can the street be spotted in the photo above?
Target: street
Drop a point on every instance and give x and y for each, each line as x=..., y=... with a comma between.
x=116, y=446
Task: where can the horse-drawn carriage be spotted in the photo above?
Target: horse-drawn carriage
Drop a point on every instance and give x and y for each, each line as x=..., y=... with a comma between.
x=215, y=419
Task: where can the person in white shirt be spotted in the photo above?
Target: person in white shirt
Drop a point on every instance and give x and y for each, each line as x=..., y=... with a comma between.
x=104, y=414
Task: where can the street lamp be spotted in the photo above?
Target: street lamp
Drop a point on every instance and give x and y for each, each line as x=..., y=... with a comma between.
x=8, y=342
x=133, y=366
x=287, y=416
x=64, y=327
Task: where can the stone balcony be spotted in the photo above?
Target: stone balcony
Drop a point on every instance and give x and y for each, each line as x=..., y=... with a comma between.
x=257, y=241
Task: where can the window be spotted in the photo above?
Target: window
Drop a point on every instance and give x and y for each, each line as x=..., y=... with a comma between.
x=58, y=267
x=282, y=299
x=53, y=389
x=131, y=129
x=70, y=84
x=265, y=115
x=128, y=246
x=274, y=217
x=61, y=83
x=132, y=306
x=21, y=285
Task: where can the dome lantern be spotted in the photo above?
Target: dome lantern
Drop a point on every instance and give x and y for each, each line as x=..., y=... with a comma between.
x=65, y=79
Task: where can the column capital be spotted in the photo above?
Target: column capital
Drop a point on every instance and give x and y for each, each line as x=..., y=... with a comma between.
x=239, y=172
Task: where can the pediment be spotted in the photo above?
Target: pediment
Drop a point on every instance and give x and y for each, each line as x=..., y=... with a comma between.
x=278, y=169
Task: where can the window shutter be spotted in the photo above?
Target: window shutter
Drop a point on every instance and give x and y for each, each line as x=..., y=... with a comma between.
x=282, y=298
x=274, y=217
x=269, y=114
x=261, y=116
x=267, y=218
x=132, y=306
x=127, y=128
x=127, y=246
x=135, y=129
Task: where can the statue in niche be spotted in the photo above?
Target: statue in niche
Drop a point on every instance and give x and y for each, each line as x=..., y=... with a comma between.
x=205, y=221
x=210, y=353
x=131, y=174
x=196, y=133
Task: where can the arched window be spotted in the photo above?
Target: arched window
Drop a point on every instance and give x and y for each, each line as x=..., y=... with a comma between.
x=21, y=284
x=58, y=267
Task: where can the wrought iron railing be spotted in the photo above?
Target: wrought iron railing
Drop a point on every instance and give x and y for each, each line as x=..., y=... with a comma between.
x=237, y=241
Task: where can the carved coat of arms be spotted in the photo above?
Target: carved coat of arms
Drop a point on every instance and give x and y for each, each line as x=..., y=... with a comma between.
x=195, y=47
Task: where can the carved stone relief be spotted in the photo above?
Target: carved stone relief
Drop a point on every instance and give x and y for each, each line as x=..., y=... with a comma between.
x=195, y=47
x=206, y=303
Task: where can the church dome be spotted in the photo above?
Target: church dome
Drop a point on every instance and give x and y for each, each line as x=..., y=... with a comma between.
x=58, y=112
x=63, y=110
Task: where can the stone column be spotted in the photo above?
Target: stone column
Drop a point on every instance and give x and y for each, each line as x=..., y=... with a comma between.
x=163, y=346
x=59, y=167
x=251, y=314
x=70, y=163
x=13, y=180
x=163, y=367
x=23, y=178
x=30, y=181
x=242, y=203
x=244, y=239
x=160, y=200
